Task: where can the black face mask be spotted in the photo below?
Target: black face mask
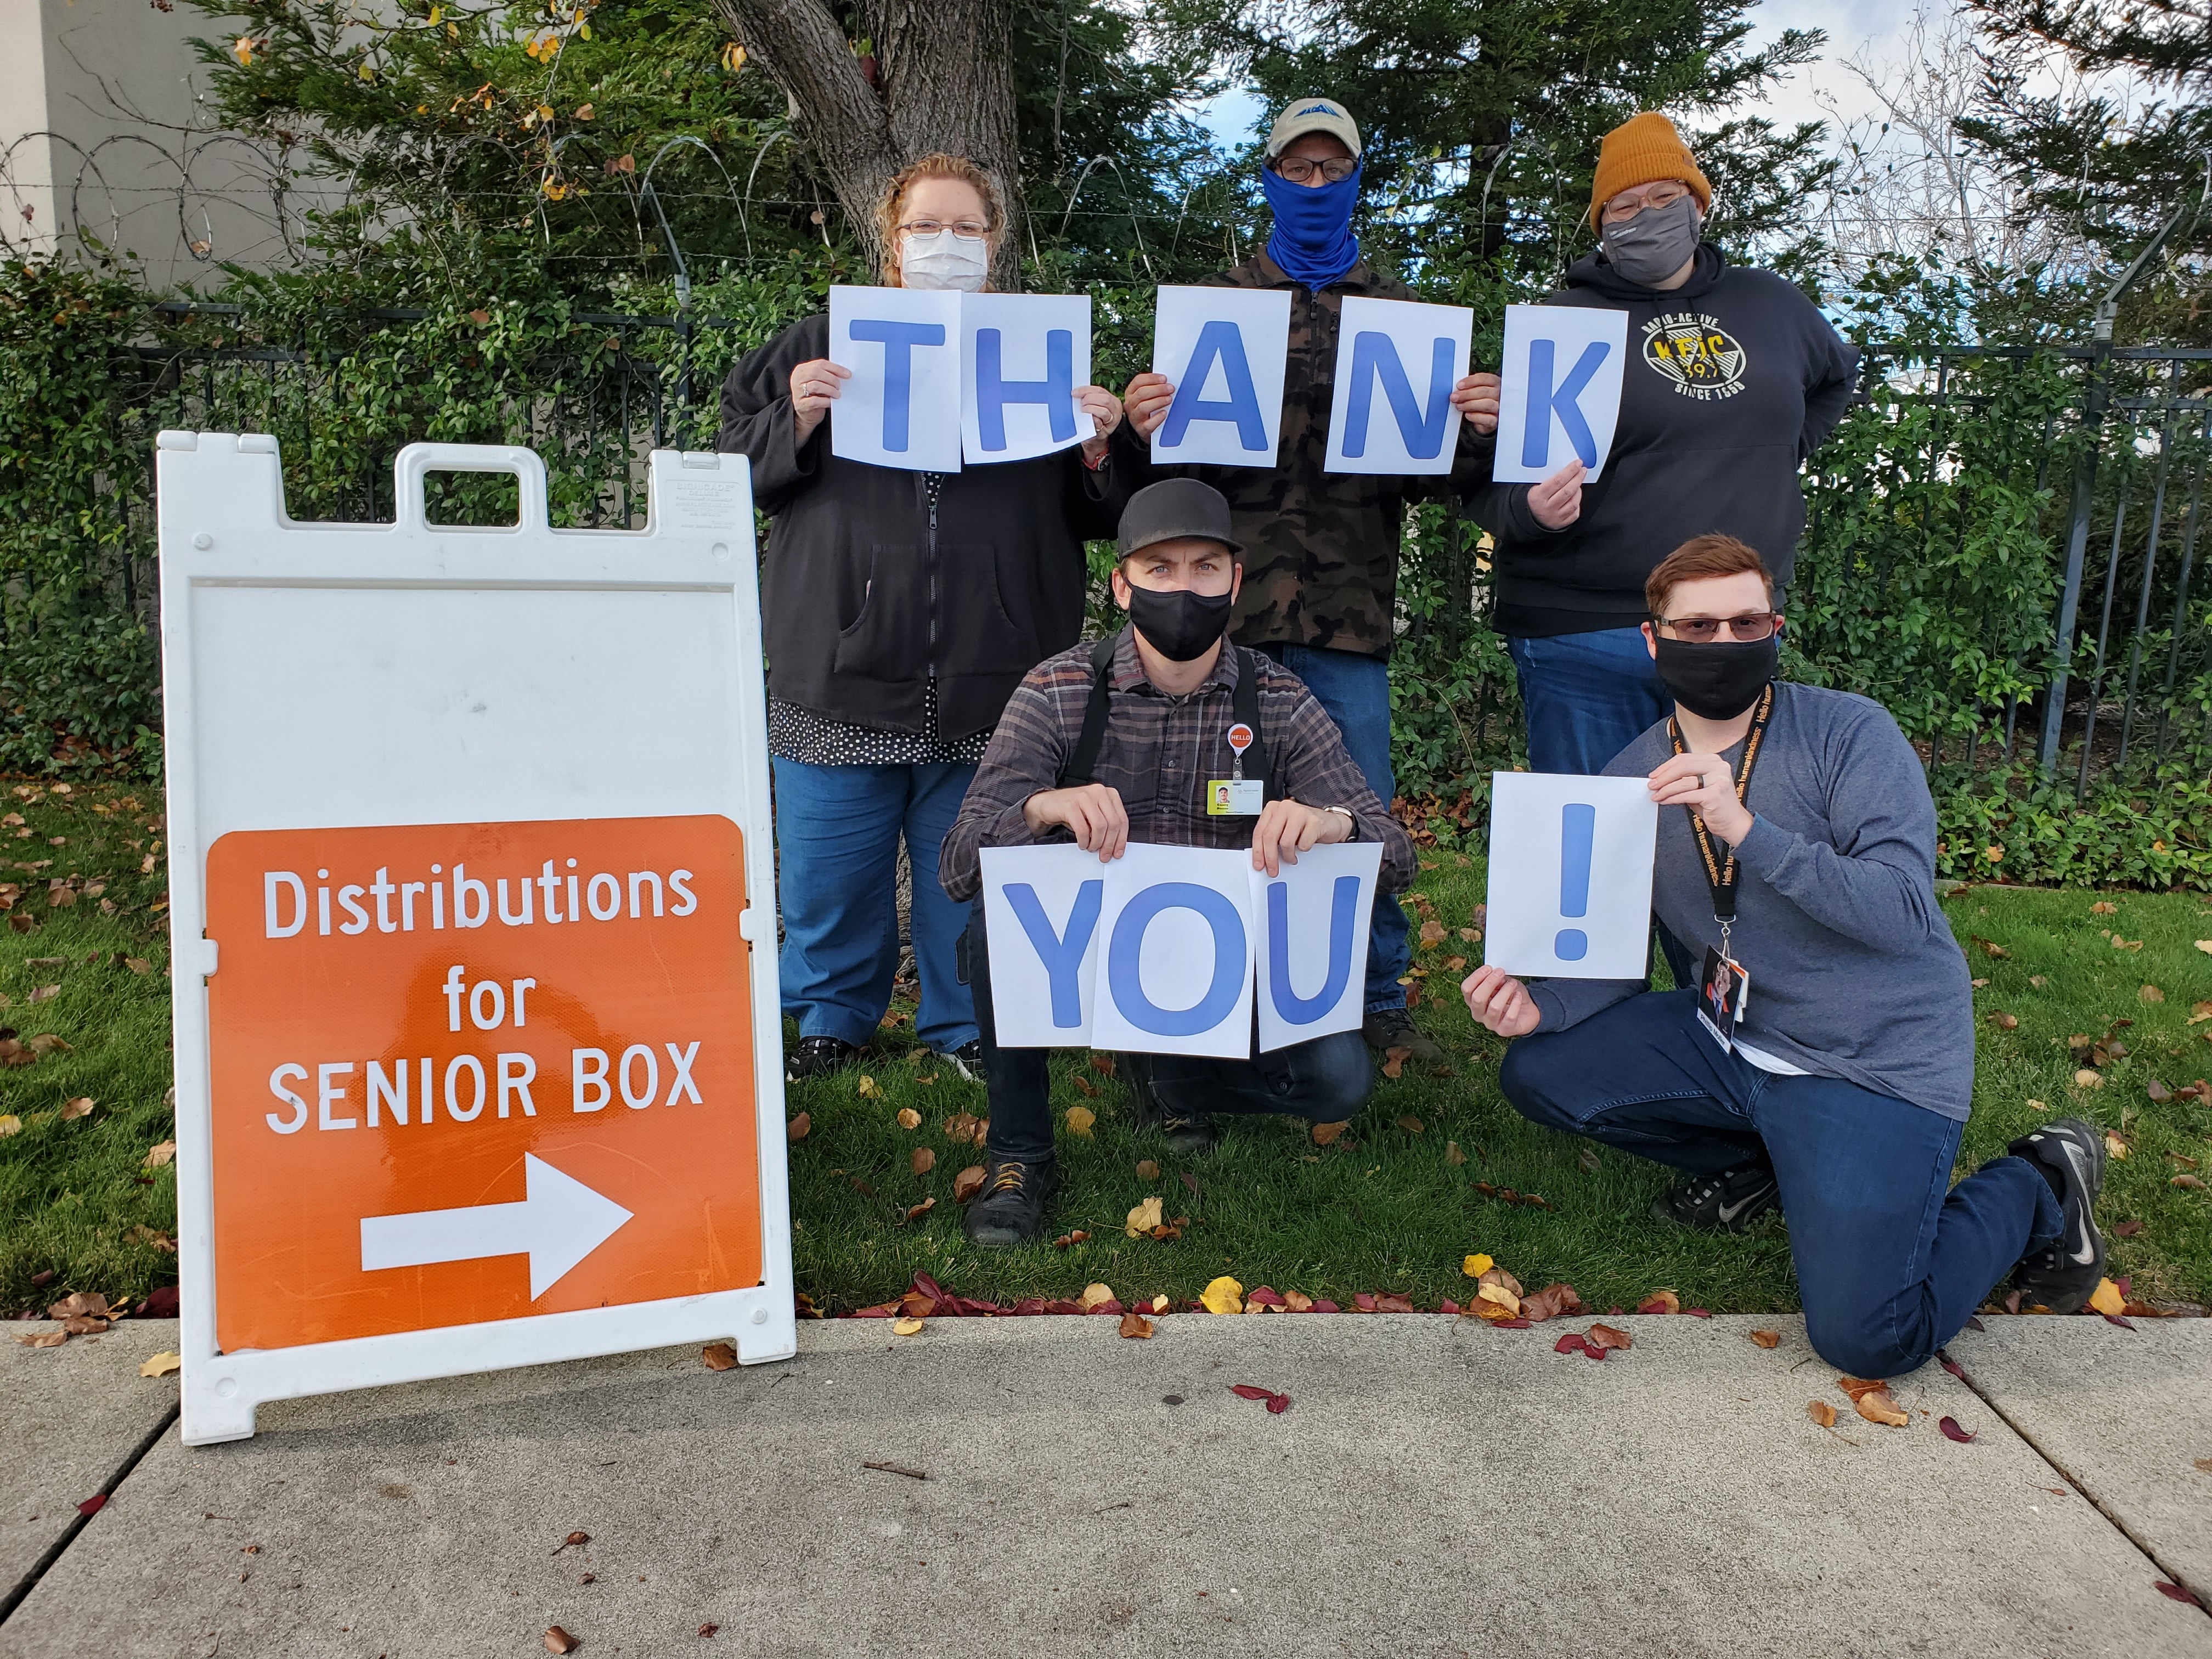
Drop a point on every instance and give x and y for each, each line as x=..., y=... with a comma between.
x=1717, y=682
x=1180, y=625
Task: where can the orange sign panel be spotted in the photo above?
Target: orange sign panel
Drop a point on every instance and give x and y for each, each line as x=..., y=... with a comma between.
x=472, y=1071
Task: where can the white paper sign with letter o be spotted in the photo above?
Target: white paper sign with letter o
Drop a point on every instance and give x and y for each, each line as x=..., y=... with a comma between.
x=1396, y=363
x=1225, y=350
x=1022, y=355
x=1176, y=965
x=903, y=345
x=1560, y=390
x=1569, y=875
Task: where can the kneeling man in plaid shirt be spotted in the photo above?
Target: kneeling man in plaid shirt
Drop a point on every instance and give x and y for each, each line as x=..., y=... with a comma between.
x=1117, y=741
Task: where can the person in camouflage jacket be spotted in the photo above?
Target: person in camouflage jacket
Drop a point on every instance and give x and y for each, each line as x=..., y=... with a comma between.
x=1320, y=558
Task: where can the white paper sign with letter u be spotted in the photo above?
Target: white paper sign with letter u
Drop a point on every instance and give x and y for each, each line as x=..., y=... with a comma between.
x=1396, y=363
x=1569, y=875
x=1156, y=953
x=1560, y=390
x=1225, y=350
x=903, y=345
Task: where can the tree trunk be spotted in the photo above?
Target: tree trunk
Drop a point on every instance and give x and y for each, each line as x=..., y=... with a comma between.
x=944, y=81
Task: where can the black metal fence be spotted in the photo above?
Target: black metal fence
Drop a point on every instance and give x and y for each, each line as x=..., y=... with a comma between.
x=2001, y=546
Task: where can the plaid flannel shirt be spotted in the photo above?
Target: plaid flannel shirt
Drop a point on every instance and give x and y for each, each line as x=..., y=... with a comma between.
x=1158, y=755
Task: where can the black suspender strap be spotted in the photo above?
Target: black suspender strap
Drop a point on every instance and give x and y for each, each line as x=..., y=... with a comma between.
x=1721, y=874
x=1083, y=765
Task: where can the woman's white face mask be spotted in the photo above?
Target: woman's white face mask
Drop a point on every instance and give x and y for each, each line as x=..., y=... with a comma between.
x=944, y=260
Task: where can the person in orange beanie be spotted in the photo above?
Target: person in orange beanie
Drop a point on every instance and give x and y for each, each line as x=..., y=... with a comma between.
x=1734, y=377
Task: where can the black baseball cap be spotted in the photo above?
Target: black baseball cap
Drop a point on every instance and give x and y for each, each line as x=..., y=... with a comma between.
x=1175, y=508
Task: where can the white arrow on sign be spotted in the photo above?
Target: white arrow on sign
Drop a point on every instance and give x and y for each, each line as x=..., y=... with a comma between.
x=559, y=1221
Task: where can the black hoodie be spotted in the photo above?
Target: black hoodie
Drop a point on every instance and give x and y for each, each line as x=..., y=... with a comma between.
x=1732, y=380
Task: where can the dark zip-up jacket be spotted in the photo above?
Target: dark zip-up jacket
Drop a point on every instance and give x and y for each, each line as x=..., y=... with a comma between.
x=868, y=590
x=1732, y=380
x=1321, y=548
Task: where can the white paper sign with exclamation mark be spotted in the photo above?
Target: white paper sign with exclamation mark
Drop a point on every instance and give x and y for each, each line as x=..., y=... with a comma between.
x=1569, y=875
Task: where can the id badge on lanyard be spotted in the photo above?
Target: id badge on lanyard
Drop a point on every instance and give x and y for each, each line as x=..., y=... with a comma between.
x=1236, y=796
x=1724, y=986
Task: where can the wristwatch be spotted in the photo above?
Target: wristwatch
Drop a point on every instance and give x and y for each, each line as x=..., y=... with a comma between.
x=1345, y=812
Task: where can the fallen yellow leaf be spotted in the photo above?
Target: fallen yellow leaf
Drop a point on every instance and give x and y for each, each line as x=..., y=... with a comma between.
x=1223, y=1296
x=1079, y=1120
x=906, y=1327
x=1160, y=1304
x=1093, y=1294
x=1453, y=1155
x=868, y=1085
x=2150, y=993
x=908, y=1117
x=1475, y=1265
x=2115, y=1145
x=2086, y=1078
x=1145, y=1217
x=162, y=1364
x=1504, y=1297
x=10, y=1125
x=1876, y=1406
x=162, y=1153
x=2205, y=946
x=1767, y=1338
x=80, y=1106
x=1325, y=1134
x=1821, y=1413
x=2107, y=1297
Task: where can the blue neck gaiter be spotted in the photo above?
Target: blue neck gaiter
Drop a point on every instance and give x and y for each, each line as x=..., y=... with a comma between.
x=1313, y=240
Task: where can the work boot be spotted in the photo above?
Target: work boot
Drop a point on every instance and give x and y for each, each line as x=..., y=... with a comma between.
x=817, y=1056
x=1010, y=1210
x=2070, y=1154
x=1386, y=1029
x=1727, y=1202
x=1189, y=1135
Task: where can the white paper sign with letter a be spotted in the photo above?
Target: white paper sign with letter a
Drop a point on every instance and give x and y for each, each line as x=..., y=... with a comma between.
x=1022, y=355
x=1156, y=951
x=1569, y=875
x=1558, y=398
x=903, y=345
x=1396, y=363
x=1225, y=350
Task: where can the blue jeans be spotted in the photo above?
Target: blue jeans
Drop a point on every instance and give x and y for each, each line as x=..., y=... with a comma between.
x=1891, y=1258
x=838, y=832
x=1586, y=697
x=1324, y=1081
x=1355, y=691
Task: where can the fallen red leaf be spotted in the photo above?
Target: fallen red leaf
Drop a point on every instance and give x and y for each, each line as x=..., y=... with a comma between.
x=1699, y=1313
x=2174, y=1592
x=1364, y=1302
x=1952, y=1431
x=93, y=1505
x=1571, y=1343
x=1660, y=1302
x=1951, y=1365
x=708, y=1630
x=1450, y=1307
x=1249, y=1390
x=1390, y=1303
x=1277, y=1404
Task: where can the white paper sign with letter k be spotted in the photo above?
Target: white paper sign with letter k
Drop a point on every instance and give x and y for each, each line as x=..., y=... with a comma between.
x=559, y=1221
x=1559, y=398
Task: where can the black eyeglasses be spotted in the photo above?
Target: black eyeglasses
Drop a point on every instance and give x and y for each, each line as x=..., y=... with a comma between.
x=1297, y=169
x=1748, y=629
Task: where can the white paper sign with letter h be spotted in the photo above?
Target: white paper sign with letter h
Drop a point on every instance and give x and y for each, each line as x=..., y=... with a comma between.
x=1559, y=393
x=1156, y=951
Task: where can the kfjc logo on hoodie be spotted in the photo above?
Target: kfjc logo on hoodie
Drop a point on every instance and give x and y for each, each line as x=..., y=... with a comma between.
x=1694, y=354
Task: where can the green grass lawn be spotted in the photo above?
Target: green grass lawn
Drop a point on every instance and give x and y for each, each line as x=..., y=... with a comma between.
x=1388, y=1208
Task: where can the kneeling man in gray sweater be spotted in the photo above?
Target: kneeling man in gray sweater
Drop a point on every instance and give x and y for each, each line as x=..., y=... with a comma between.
x=1825, y=1060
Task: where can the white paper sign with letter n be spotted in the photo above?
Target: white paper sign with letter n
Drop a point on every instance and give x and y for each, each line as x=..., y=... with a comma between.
x=1312, y=956
x=1559, y=398
x=1569, y=875
x=1022, y=355
x=1225, y=350
x=903, y=345
x=1396, y=363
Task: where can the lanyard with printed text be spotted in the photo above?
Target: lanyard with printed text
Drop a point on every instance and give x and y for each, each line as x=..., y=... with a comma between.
x=1720, y=874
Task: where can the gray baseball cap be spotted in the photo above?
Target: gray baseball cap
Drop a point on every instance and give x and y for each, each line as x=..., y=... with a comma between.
x=1175, y=508
x=1306, y=115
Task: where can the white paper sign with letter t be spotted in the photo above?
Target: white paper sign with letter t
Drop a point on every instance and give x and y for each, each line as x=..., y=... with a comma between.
x=1569, y=875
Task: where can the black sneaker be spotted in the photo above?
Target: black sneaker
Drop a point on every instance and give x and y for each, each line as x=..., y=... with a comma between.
x=2071, y=1155
x=1010, y=1210
x=817, y=1056
x=1386, y=1029
x=1727, y=1202
x=967, y=1060
x=1190, y=1136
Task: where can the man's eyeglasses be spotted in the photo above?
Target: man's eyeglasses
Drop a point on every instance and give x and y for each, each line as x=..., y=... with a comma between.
x=1746, y=630
x=1626, y=205
x=974, y=230
x=1297, y=169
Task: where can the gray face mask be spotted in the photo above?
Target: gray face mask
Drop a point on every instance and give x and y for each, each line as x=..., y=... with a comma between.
x=1655, y=244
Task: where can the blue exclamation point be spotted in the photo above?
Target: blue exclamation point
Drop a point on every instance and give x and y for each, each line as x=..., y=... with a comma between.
x=1578, y=829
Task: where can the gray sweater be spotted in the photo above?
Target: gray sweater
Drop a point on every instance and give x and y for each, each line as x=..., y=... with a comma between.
x=1854, y=972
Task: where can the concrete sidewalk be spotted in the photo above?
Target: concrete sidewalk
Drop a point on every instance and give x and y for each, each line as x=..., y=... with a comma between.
x=1436, y=1487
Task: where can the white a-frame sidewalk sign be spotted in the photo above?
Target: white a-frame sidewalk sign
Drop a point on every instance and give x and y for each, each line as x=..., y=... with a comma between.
x=477, y=1047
